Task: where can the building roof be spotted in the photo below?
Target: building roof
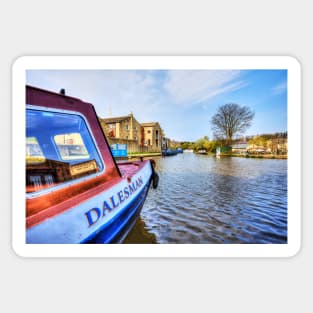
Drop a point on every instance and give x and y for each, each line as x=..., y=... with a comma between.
x=150, y=124
x=115, y=119
x=242, y=145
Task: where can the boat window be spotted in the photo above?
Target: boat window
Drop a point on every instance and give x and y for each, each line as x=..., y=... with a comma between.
x=59, y=149
x=71, y=146
x=33, y=151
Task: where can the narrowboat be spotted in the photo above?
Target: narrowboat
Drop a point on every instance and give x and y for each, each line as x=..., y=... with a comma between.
x=202, y=151
x=76, y=192
x=169, y=152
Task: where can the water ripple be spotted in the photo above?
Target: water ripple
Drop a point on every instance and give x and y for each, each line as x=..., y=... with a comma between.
x=201, y=199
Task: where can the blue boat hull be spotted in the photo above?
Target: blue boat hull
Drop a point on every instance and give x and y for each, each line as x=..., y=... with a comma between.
x=119, y=227
x=169, y=152
x=106, y=217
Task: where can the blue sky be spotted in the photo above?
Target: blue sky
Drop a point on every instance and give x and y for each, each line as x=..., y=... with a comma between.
x=182, y=101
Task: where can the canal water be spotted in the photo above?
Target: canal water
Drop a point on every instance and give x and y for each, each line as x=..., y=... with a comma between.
x=204, y=199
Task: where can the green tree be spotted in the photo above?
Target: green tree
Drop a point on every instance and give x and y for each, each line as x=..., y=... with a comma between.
x=205, y=144
x=258, y=141
x=187, y=145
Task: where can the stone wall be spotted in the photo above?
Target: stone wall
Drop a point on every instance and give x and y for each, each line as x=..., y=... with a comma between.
x=130, y=128
x=140, y=138
x=132, y=145
x=153, y=135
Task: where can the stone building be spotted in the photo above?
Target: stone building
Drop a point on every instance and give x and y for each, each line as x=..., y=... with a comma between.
x=276, y=146
x=153, y=135
x=240, y=147
x=140, y=137
x=123, y=127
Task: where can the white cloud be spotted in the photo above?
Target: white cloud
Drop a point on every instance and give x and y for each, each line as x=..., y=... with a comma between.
x=116, y=91
x=280, y=88
x=125, y=91
x=193, y=86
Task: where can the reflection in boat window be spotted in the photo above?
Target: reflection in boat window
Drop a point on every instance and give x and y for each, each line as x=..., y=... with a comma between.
x=33, y=151
x=59, y=148
x=71, y=146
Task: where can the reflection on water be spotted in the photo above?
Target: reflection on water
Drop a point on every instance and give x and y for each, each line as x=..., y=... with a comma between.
x=202, y=199
x=139, y=234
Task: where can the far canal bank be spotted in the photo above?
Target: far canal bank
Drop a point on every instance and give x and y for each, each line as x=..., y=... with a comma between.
x=204, y=199
x=246, y=155
x=258, y=156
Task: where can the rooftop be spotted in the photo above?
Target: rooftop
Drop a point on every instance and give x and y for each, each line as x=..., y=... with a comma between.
x=149, y=124
x=240, y=145
x=115, y=119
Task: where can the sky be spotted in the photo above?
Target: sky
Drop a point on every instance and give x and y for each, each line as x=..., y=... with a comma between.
x=182, y=101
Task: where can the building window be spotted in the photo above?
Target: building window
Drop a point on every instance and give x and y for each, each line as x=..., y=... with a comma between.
x=71, y=146
x=149, y=131
x=111, y=130
x=126, y=127
x=33, y=151
x=59, y=149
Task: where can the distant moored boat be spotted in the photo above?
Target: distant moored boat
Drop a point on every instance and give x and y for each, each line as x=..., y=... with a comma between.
x=169, y=152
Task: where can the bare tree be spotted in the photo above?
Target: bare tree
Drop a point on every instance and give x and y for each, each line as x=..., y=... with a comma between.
x=231, y=119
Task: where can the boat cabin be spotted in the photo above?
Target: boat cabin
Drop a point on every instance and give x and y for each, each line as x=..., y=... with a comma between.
x=76, y=192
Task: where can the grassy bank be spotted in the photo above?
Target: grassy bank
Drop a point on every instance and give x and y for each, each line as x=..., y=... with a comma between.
x=259, y=156
x=148, y=154
x=252, y=156
x=144, y=154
